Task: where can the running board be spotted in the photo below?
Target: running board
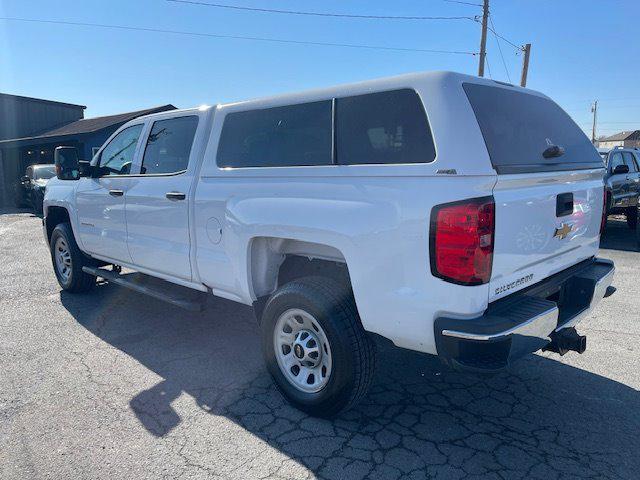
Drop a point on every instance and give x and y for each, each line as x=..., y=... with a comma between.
x=177, y=295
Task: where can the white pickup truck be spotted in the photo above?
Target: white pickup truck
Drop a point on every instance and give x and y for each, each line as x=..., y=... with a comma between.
x=453, y=215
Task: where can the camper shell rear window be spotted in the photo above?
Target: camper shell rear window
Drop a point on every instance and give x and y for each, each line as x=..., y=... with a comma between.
x=518, y=127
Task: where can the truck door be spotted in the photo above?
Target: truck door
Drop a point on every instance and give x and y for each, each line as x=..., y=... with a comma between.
x=158, y=203
x=100, y=200
x=618, y=182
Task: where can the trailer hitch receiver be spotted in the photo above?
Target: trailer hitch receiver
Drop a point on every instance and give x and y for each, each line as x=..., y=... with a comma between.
x=566, y=340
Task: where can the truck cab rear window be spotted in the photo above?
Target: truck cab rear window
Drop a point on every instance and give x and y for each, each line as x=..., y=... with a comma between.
x=377, y=128
x=518, y=127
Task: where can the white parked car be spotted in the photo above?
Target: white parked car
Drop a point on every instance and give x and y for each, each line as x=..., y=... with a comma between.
x=452, y=215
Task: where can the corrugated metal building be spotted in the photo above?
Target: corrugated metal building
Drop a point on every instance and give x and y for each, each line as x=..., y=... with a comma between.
x=31, y=128
x=24, y=116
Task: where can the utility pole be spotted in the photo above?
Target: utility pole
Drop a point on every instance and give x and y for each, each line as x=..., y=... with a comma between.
x=525, y=64
x=483, y=38
x=594, y=110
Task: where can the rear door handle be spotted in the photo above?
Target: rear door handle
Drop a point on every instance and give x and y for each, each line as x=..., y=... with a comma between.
x=175, y=195
x=116, y=193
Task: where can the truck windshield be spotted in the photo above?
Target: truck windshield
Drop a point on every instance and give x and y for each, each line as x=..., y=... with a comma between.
x=518, y=128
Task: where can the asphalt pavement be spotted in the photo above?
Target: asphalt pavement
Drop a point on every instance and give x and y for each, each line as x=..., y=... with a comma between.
x=116, y=385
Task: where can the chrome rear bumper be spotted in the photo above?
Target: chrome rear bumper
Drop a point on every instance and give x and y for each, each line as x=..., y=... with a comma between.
x=525, y=321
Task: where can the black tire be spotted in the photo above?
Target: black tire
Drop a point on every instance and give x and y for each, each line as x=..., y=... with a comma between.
x=37, y=200
x=76, y=281
x=632, y=217
x=352, y=352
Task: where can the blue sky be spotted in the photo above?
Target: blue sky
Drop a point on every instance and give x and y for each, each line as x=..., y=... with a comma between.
x=581, y=51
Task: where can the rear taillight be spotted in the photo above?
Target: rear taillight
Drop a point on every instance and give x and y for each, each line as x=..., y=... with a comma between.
x=461, y=241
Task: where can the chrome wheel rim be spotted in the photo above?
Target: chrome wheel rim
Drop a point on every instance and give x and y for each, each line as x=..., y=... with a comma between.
x=62, y=257
x=302, y=350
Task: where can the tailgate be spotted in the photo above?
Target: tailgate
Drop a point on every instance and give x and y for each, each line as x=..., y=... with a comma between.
x=549, y=190
x=544, y=224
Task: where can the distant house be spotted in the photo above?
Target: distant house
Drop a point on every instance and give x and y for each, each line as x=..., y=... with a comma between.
x=33, y=128
x=623, y=139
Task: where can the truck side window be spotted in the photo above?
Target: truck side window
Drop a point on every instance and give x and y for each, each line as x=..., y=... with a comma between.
x=384, y=127
x=169, y=145
x=615, y=160
x=293, y=135
x=117, y=157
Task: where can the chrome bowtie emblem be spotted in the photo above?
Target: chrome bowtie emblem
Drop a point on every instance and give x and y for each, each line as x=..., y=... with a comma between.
x=563, y=231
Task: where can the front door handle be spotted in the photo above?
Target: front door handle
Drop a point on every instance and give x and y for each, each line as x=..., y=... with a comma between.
x=175, y=195
x=116, y=193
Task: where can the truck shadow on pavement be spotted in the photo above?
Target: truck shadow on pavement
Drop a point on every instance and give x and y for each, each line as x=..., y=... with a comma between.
x=542, y=419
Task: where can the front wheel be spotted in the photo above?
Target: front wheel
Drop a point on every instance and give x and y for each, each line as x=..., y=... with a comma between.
x=315, y=347
x=68, y=261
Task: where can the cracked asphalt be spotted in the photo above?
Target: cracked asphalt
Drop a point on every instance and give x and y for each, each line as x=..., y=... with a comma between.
x=116, y=385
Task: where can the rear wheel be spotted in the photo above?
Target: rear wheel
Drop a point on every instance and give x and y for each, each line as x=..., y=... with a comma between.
x=68, y=261
x=632, y=217
x=315, y=347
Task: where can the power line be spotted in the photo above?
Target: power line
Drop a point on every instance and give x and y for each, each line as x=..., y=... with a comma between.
x=239, y=37
x=614, y=107
x=316, y=14
x=492, y=30
x=622, y=123
x=586, y=103
x=619, y=98
x=464, y=3
x=500, y=49
x=612, y=123
x=486, y=59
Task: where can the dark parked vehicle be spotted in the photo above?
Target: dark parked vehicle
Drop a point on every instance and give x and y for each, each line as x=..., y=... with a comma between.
x=29, y=191
x=622, y=182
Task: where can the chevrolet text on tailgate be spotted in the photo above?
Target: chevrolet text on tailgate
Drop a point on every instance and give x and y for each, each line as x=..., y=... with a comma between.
x=450, y=214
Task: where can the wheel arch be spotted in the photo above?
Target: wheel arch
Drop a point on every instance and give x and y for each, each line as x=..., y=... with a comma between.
x=55, y=215
x=274, y=261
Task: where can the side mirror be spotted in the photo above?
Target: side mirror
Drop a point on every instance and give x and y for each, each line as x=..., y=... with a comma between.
x=621, y=169
x=67, y=163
